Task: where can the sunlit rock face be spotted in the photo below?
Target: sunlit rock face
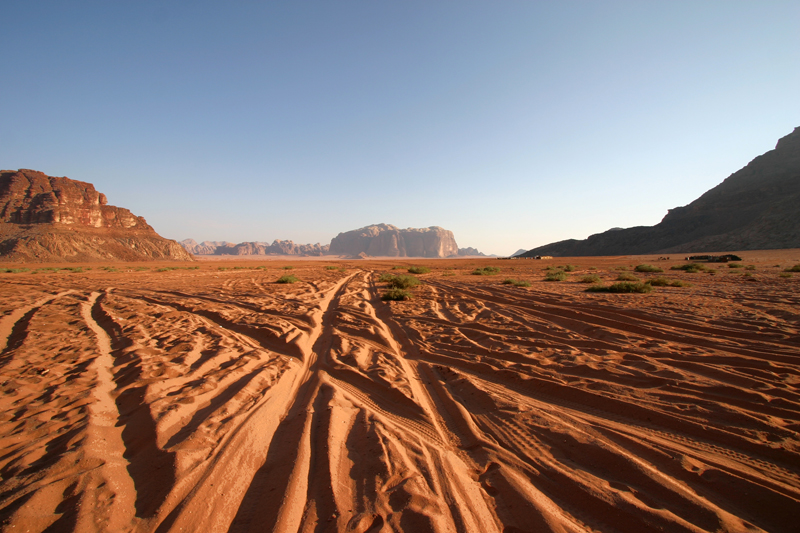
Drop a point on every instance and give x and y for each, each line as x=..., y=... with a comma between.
x=385, y=240
x=47, y=218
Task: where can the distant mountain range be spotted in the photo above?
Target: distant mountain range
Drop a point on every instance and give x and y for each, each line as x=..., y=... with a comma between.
x=377, y=240
x=756, y=208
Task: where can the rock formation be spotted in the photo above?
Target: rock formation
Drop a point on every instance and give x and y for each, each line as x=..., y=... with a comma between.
x=470, y=251
x=45, y=218
x=381, y=240
x=756, y=208
x=278, y=247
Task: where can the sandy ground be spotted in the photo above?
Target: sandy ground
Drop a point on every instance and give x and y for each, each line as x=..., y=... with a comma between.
x=218, y=400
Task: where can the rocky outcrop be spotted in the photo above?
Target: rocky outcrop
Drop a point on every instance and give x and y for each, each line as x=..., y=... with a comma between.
x=755, y=208
x=385, y=240
x=46, y=218
x=278, y=247
x=470, y=251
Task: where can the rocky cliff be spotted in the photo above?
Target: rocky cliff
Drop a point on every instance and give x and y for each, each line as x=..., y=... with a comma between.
x=278, y=247
x=756, y=208
x=46, y=218
x=386, y=240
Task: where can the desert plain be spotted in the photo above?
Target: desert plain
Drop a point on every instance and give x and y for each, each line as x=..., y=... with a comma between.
x=207, y=397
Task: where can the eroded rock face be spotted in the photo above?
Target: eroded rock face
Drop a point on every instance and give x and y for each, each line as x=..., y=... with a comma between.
x=46, y=218
x=381, y=240
x=32, y=197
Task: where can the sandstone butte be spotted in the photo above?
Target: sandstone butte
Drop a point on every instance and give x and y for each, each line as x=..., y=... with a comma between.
x=756, y=208
x=45, y=218
x=385, y=240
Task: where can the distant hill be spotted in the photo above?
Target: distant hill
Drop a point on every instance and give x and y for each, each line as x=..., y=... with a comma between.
x=46, y=218
x=756, y=208
x=278, y=247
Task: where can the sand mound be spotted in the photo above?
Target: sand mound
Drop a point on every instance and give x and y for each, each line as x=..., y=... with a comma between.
x=218, y=400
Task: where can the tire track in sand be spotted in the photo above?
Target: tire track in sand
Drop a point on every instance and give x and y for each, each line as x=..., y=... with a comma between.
x=250, y=450
x=104, y=442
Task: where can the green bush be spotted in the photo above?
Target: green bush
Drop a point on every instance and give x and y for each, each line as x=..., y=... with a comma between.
x=692, y=268
x=785, y=274
x=486, y=271
x=647, y=268
x=664, y=282
x=734, y=265
x=331, y=267
x=385, y=277
x=396, y=295
x=591, y=278
x=402, y=281
x=569, y=268
x=627, y=277
x=397, y=268
x=287, y=279
x=14, y=270
x=288, y=267
x=418, y=270
x=622, y=287
x=592, y=268
x=558, y=275
x=750, y=267
x=795, y=268
x=516, y=283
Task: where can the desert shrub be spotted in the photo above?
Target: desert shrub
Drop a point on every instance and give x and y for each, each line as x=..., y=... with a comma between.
x=558, y=275
x=418, y=270
x=647, y=268
x=795, y=268
x=241, y=268
x=385, y=277
x=403, y=281
x=591, y=278
x=222, y=268
x=397, y=267
x=569, y=268
x=486, y=271
x=287, y=279
x=140, y=269
x=691, y=268
x=288, y=267
x=627, y=277
x=396, y=295
x=592, y=268
x=621, y=268
x=734, y=265
x=331, y=267
x=664, y=282
x=785, y=274
x=516, y=283
x=750, y=267
x=14, y=270
x=622, y=287
x=508, y=281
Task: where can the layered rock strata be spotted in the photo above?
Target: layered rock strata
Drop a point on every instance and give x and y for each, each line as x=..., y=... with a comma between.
x=46, y=218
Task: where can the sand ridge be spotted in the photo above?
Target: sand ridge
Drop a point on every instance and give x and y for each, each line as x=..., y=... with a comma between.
x=218, y=400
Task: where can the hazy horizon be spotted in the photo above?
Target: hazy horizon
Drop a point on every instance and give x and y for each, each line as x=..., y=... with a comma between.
x=513, y=125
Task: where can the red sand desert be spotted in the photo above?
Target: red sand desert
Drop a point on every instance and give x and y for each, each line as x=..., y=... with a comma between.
x=142, y=399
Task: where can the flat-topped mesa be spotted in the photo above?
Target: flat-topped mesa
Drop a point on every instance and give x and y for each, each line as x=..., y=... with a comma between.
x=45, y=218
x=32, y=197
x=385, y=240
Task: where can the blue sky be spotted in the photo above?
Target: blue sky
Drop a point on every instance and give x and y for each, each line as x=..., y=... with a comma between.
x=514, y=124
